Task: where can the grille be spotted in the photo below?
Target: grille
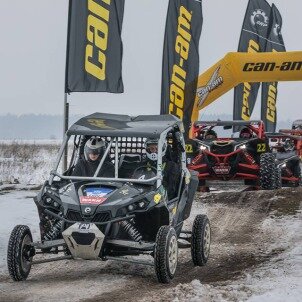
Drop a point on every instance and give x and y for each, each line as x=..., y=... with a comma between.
x=83, y=239
x=101, y=217
x=74, y=216
x=226, y=149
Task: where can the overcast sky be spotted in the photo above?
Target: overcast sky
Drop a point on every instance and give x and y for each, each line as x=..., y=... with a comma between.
x=33, y=48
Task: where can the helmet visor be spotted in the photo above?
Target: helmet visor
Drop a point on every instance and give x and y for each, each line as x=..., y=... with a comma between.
x=152, y=148
x=245, y=135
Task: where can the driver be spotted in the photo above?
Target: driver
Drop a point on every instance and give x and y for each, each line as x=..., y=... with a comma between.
x=93, y=152
x=246, y=133
x=210, y=134
x=149, y=169
x=200, y=134
x=297, y=125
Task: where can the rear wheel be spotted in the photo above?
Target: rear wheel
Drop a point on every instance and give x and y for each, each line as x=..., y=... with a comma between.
x=297, y=174
x=267, y=171
x=165, y=254
x=278, y=179
x=201, y=240
x=20, y=253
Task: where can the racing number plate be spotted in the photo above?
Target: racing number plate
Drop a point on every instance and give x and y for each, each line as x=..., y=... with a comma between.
x=92, y=200
x=222, y=170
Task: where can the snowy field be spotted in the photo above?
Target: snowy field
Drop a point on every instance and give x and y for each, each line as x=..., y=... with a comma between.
x=256, y=255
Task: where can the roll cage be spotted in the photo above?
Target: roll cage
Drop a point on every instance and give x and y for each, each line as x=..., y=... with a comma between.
x=168, y=128
x=257, y=127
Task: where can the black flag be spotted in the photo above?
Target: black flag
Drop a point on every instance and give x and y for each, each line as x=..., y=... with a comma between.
x=253, y=39
x=94, y=46
x=181, y=59
x=269, y=90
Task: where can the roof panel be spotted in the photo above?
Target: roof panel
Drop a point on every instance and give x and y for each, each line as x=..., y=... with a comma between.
x=103, y=124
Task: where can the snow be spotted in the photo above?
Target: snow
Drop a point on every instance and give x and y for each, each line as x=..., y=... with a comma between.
x=16, y=208
x=278, y=280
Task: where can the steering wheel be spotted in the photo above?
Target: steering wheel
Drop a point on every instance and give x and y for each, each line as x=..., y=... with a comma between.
x=144, y=172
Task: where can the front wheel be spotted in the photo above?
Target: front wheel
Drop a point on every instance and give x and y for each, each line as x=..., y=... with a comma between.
x=267, y=171
x=297, y=174
x=201, y=240
x=278, y=178
x=20, y=253
x=165, y=254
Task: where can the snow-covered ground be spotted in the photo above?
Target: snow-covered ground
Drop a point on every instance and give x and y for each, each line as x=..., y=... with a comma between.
x=240, y=229
x=26, y=162
x=278, y=280
x=16, y=208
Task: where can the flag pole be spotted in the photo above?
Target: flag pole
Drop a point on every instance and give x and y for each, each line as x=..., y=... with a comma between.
x=65, y=128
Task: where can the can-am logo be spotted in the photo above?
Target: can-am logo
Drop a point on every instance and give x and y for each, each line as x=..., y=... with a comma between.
x=277, y=30
x=259, y=19
x=204, y=91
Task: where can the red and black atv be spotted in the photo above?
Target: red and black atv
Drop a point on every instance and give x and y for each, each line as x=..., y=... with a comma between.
x=244, y=155
x=287, y=146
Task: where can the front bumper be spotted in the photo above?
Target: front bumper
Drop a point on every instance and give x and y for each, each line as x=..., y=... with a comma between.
x=84, y=240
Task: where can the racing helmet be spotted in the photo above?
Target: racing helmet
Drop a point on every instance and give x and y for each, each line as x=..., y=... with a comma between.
x=289, y=145
x=297, y=126
x=94, y=145
x=200, y=134
x=151, y=146
x=246, y=133
x=210, y=134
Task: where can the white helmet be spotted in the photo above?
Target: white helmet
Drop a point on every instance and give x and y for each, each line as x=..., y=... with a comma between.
x=94, y=146
x=151, y=146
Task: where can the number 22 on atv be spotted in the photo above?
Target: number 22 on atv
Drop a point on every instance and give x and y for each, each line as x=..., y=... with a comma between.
x=261, y=148
x=97, y=36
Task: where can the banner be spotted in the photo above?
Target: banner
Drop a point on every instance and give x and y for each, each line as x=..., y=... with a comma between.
x=181, y=59
x=94, y=46
x=237, y=68
x=274, y=43
x=253, y=39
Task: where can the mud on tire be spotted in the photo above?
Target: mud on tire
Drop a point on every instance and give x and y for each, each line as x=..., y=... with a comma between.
x=200, y=241
x=278, y=178
x=297, y=173
x=267, y=171
x=165, y=254
x=19, y=253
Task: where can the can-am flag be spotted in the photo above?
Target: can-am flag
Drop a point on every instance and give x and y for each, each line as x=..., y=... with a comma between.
x=253, y=39
x=274, y=43
x=94, y=46
x=181, y=59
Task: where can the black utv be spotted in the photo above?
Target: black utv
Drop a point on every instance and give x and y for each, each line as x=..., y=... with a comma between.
x=119, y=217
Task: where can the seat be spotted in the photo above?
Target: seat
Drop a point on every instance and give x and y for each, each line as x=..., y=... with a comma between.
x=128, y=163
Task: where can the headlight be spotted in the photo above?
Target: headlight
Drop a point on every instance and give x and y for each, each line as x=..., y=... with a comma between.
x=243, y=147
x=141, y=204
x=56, y=205
x=48, y=200
x=283, y=166
x=202, y=148
x=131, y=208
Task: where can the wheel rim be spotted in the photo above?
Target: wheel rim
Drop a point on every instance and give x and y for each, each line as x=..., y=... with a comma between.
x=207, y=240
x=173, y=254
x=26, y=258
